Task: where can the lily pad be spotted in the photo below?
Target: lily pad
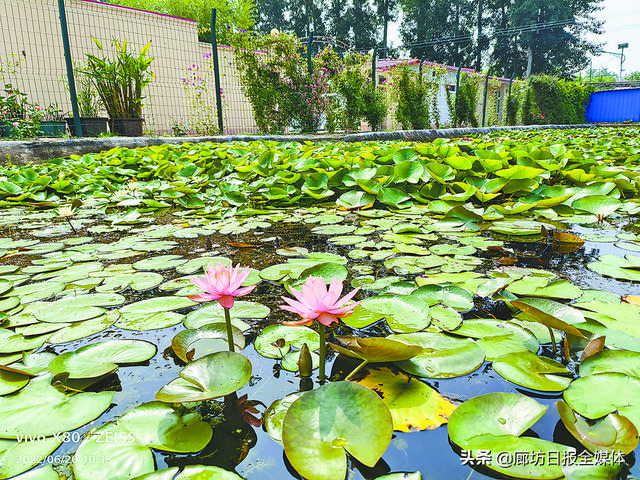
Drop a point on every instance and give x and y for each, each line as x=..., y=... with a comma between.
x=442, y=357
x=204, y=340
x=127, y=453
x=101, y=358
x=265, y=343
x=211, y=376
x=214, y=312
x=324, y=424
x=40, y=409
x=595, y=396
x=413, y=404
x=19, y=456
x=532, y=371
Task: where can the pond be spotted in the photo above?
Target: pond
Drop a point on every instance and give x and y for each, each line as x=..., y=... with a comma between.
x=471, y=272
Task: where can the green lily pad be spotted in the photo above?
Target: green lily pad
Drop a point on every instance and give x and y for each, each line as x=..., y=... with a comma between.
x=84, y=329
x=403, y=313
x=148, y=321
x=10, y=342
x=99, y=359
x=442, y=357
x=612, y=433
x=265, y=343
x=204, y=340
x=128, y=452
x=322, y=425
x=157, y=304
x=198, y=472
x=494, y=422
x=532, y=371
x=604, y=361
x=35, y=292
x=595, y=396
x=211, y=376
x=274, y=415
x=449, y=295
x=214, y=312
x=45, y=473
x=19, y=456
x=162, y=262
x=64, y=313
x=40, y=409
x=11, y=382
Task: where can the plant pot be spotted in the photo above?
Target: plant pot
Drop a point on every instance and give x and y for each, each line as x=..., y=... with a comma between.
x=91, y=126
x=126, y=127
x=52, y=128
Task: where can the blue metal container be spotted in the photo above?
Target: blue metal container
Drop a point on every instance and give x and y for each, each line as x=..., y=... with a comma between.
x=614, y=106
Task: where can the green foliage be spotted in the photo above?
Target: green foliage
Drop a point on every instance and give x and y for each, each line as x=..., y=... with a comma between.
x=466, y=100
x=374, y=108
x=633, y=77
x=350, y=84
x=198, y=83
x=550, y=100
x=412, y=106
x=230, y=15
x=274, y=77
x=120, y=82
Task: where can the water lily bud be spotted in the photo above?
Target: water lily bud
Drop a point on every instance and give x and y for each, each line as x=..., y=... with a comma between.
x=305, y=364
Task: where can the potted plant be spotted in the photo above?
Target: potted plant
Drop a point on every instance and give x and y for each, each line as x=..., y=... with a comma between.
x=52, y=122
x=13, y=109
x=119, y=83
x=89, y=106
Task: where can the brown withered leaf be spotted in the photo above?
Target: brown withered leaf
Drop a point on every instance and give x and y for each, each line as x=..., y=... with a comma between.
x=594, y=346
x=242, y=245
x=566, y=237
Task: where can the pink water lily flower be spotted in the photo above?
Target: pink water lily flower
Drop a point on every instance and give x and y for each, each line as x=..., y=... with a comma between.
x=222, y=283
x=314, y=301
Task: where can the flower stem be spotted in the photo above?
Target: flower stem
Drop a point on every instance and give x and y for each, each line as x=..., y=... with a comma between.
x=323, y=353
x=227, y=318
x=69, y=220
x=553, y=341
x=356, y=370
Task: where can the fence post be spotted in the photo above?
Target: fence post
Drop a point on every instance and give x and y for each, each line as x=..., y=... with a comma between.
x=309, y=64
x=486, y=92
x=70, y=79
x=216, y=70
x=373, y=66
x=455, y=102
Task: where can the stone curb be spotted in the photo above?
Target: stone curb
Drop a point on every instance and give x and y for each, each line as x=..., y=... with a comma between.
x=41, y=150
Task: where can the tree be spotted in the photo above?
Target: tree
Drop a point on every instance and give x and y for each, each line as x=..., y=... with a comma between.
x=270, y=14
x=386, y=10
x=439, y=30
x=230, y=15
x=364, y=25
x=545, y=36
x=633, y=77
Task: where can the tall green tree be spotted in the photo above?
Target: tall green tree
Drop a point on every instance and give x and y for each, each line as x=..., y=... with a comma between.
x=387, y=12
x=364, y=25
x=305, y=14
x=270, y=14
x=546, y=37
x=230, y=14
x=440, y=31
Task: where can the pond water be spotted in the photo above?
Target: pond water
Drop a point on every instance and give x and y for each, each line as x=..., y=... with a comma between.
x=249, y=450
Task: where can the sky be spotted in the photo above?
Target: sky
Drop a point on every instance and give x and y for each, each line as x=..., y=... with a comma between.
x=622, y=25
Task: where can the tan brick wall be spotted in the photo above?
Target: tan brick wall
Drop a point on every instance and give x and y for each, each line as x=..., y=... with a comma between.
x=33, y=27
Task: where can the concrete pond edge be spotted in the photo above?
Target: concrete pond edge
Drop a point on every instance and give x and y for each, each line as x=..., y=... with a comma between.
x=43, y=149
